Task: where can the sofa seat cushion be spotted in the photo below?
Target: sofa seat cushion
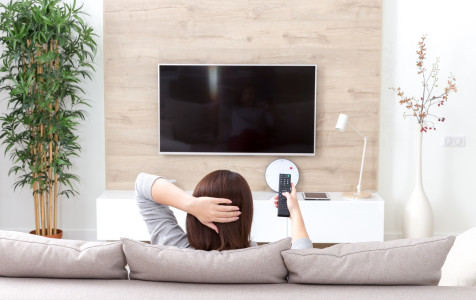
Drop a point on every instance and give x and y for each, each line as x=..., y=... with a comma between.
x=26, y=255
x=398, y=262
x=92, y=289
x=262, y=264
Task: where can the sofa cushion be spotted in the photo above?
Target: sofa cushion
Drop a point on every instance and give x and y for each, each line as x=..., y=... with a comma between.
x=398, y=262
x=460, y=265
x=80, y=289
x=26, y=255
x=262, y=264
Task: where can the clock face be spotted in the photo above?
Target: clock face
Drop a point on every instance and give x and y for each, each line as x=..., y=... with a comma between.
x=281, y=166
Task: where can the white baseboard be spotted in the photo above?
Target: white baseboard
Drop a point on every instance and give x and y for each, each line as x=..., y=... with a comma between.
x=83, y=235
x=91, y=234
x=392, y=236
x=399, y=235
x=70, y=234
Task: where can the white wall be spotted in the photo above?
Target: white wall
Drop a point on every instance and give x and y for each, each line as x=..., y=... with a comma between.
x=448, y=173
x=449, y=176
x=77, y=217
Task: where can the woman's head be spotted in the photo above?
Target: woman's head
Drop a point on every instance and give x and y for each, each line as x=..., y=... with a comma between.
x=234, y=235
x=248, y=97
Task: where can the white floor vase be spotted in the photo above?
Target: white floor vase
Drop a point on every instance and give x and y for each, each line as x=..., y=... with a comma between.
x=418, y=214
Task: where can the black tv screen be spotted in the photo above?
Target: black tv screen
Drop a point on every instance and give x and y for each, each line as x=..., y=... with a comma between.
x=237, y=109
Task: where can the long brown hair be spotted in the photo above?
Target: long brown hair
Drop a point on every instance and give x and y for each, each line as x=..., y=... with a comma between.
x=234, y=235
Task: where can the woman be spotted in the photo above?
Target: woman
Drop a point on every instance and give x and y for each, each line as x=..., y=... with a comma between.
x=214, y=222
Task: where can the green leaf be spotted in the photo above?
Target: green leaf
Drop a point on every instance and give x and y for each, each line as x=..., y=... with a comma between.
x=31, y=96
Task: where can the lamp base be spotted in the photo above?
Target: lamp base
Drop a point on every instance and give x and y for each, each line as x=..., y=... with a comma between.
x=357, y=195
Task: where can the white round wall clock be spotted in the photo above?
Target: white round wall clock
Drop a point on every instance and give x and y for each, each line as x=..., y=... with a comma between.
x=281, y=166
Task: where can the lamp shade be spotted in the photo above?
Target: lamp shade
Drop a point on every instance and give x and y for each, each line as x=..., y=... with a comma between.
x=341, y=122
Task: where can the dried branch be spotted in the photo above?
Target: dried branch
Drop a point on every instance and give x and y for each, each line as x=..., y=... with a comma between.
x=420, y=109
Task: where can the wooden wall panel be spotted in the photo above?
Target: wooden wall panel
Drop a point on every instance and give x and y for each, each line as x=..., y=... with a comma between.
x=343, y=38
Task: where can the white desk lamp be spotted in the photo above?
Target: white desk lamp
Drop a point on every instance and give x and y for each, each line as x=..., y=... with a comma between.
x=341, y=122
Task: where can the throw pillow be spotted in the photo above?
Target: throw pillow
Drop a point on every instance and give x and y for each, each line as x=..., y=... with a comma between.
x=26, y=255
x=262, y=264
x=398, y=262
x=460, y=265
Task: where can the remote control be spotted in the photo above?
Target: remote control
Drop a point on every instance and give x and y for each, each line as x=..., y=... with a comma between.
x=284, y=186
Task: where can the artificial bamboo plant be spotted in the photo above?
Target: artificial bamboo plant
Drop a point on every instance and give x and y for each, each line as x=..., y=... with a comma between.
x=47, y=49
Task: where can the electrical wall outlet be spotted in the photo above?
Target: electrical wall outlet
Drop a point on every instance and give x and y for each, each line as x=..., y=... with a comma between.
x=454, y=141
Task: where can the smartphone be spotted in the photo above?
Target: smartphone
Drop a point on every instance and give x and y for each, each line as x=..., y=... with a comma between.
x=315, y=196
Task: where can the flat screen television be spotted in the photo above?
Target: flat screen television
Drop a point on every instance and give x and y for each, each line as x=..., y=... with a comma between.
x=237, y=109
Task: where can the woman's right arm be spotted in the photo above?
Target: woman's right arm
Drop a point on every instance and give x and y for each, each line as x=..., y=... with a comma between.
x=155, y=194
x=300, y=237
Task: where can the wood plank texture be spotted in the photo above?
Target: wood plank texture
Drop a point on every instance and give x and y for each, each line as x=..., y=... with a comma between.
x=342, y=37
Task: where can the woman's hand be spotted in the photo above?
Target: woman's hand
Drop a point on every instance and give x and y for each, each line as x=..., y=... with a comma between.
x=291, y=200
x=298, y=228
x=208, y=210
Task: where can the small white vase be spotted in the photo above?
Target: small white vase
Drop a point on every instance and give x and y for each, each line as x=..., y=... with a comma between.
x=418, y=214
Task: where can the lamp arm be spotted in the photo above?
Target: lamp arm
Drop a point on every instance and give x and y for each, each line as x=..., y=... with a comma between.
x=359, y=187
x=356, y=130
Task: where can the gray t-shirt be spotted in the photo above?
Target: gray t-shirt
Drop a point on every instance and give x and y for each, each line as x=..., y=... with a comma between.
x=161, y=222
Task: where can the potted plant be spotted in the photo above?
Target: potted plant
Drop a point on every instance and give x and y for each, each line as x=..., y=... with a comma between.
x=47, y=50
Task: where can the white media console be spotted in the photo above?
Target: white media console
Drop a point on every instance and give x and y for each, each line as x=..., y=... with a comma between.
x=339, y=220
